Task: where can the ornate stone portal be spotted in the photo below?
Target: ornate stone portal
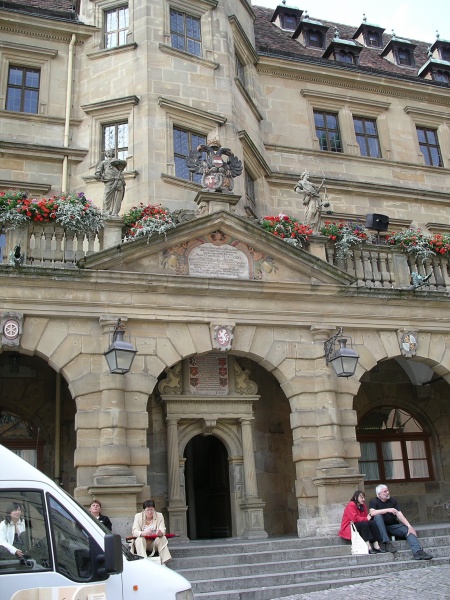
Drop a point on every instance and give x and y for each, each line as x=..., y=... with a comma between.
x=212, y=395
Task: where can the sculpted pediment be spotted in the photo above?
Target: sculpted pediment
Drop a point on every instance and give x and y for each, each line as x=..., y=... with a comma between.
x=218, y=246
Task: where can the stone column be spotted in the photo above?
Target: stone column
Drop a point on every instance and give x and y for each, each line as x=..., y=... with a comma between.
x=113, y=476
x=252, y=506
x=112, y=232
x=177, y=508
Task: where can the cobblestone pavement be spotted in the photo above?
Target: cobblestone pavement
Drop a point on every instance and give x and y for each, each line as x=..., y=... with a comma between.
x=425, y=583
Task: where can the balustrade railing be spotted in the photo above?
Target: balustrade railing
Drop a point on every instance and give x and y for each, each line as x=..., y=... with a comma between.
x=49, y=245
x=371, y=265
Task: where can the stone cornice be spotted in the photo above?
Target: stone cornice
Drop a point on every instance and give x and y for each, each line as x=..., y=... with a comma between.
x=37, y=27
x=44, y=152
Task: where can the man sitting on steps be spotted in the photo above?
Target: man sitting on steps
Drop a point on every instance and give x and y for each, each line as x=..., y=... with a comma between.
x=390, y=520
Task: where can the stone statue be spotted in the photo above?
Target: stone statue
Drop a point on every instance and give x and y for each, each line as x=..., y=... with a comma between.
x=110, y=171
x=311, y=200
x=217, y=174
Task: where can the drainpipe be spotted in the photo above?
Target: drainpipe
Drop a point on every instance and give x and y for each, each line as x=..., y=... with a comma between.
x=68, y=109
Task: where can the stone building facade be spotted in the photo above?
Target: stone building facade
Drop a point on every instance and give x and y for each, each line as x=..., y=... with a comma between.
x=260, y=437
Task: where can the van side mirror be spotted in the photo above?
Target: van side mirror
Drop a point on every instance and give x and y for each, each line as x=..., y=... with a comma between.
x=113, y=553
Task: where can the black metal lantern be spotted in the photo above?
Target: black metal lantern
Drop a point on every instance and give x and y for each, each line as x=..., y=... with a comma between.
x=120, y=354
x=343, y=360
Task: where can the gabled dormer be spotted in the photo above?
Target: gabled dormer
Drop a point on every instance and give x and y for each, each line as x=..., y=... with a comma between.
x=399, y=52
x=311, y=33
x=435, y=69
x=369, y=35
x=286, y=17
x=343, y=51
x=440, y=49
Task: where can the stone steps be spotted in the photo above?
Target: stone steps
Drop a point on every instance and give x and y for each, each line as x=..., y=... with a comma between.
x=277, y=567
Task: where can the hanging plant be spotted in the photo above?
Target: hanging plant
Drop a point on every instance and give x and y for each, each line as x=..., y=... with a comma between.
x=73, y=211
x=413, y=241
x=345, y=235
x=147, y=220
x=288, y=229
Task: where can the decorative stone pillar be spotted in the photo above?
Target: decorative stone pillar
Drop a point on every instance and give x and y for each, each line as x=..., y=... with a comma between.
x=177, y=508
x=210, y=202
x=252, y=506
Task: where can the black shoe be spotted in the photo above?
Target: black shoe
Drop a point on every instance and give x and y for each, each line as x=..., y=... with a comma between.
x=422, y=555
x=390, y=547
x=382, y=548
x=375, y=551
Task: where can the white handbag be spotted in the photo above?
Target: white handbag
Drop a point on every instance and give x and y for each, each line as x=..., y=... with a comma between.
x=359, y=546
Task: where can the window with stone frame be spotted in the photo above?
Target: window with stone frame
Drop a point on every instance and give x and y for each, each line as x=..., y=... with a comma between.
x=314, y=38
x=239, y=69
x=394, y=447
x=404, y=56
x=115, y=137
x=327, y=131
x=116, y=25
x=250, y=194
x=185, y=32
x=184, y=142
x=367, y=137
x=429, y=146
x=23, y=89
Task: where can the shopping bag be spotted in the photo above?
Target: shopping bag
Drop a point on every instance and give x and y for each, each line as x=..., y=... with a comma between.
x=359, y=546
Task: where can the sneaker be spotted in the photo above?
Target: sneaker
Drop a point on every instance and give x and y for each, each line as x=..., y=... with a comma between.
x=390, y=547
x=422, y=555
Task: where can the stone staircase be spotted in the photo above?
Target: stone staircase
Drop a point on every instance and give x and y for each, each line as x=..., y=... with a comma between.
x=234, y=569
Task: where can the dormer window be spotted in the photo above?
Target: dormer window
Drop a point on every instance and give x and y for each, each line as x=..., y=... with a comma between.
x=288, y=22
x=404, y=57
x=445, y=53
x=399, y=52
x=441, y=76
x=314, y=38
x=373, y=39
x=345, y=57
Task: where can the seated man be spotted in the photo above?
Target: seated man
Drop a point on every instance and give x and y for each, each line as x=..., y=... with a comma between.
x=390, y=520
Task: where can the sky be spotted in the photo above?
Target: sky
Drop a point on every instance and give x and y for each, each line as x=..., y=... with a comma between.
x=413, y=19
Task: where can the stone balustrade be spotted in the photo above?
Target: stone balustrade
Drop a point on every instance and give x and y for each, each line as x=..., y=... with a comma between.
x=372, y=265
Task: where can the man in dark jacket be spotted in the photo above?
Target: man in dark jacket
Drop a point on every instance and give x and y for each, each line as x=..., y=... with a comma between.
x=391, y=521
x=95, y=508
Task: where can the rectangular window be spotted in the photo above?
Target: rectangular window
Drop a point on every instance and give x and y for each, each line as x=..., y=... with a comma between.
x=367, y=137
x=116, y=27
x=115, y=137
x=185, y=32
x=394, y=460
x=404, y=57
x=23, y=90
x=184, y=142
x=240, y=70
x=250, y=190
x=327, y=130
x=429, y=146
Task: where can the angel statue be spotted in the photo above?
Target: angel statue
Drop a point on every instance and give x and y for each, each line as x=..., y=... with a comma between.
x=217, y=174
x=311, y=200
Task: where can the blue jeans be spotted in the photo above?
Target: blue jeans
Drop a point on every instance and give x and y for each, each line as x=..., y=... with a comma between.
x=398, y=530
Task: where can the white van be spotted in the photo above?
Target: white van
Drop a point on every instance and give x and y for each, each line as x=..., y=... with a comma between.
x=65, y=548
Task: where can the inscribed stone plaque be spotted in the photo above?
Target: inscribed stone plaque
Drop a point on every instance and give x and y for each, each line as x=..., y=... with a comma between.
x=208, y=374
x=225, y=261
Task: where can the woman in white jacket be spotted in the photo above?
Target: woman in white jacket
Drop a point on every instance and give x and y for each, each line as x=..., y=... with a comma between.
x=11, y=529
